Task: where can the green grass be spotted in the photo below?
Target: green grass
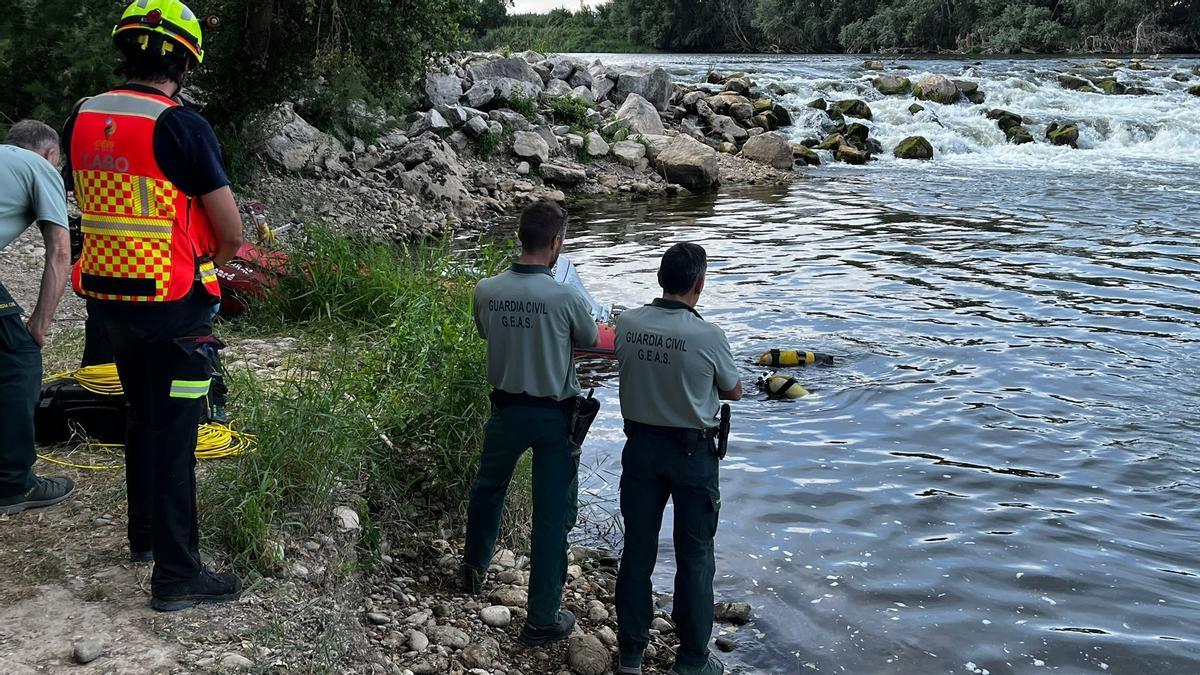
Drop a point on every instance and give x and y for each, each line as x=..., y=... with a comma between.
x=390, y=409
x=527, y=106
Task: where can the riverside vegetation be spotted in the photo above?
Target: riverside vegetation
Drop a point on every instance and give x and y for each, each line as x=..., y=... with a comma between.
x=825, y=26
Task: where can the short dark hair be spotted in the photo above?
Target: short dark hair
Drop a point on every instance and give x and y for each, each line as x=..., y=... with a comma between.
x=540, y=223
x=32, y=135
x=150, y=63
x=681, y=266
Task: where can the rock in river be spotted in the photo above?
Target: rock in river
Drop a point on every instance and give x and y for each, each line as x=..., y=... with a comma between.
x=689, y=163
x=853, y=108
x=914, y=147
x=737, y=613
x=936, y=88
x=891, y=85
x=1066, y=134
x=771, y=149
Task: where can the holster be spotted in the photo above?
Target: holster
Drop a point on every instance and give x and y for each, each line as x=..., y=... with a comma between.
x=581, y=418
x=723, y=431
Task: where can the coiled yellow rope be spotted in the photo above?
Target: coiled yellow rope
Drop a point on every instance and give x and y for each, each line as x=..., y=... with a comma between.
x=213, y=441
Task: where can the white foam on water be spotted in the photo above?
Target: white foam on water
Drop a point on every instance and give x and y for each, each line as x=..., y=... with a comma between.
x=1116, y=133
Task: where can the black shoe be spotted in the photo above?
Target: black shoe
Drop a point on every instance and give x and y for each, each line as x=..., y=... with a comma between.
x=208, y=588
x=535, y=636
x=470, y=580
x=45, y=492
x=136, y=556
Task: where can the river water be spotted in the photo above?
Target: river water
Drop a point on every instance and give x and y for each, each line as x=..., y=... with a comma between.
x=1002, y=472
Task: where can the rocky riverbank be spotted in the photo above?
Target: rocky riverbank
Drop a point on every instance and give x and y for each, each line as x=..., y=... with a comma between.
x=495, y=133
x=424, y=625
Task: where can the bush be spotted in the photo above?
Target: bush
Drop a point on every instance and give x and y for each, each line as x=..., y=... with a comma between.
x=527, y=106
x=571, y=110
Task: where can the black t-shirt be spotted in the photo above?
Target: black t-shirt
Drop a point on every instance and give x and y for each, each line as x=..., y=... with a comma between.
x=185, y=147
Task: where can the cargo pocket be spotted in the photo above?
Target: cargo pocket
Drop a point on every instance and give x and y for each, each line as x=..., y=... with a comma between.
x=714, y=499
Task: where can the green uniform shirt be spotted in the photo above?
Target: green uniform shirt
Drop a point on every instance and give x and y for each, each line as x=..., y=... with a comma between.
x=531, y=323
x=30, y=191
x=672, y=365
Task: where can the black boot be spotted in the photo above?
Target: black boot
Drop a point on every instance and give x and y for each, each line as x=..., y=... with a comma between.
x=207, y=588
x=534, y=636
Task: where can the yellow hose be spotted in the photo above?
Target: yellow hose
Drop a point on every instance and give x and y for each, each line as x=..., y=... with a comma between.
x=213, y=441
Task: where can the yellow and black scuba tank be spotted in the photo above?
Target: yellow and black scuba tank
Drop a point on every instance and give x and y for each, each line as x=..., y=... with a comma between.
x=787, y=358
x=780, y=387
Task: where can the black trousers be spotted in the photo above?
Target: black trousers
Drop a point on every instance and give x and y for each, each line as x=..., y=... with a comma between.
x=161, y=358
x=657, y=466
x=20, y=386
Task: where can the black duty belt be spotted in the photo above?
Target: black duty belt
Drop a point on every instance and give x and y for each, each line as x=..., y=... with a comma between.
x=687, y=435
x=503, y=399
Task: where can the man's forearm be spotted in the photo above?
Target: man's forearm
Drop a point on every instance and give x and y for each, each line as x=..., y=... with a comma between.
x=54, y=283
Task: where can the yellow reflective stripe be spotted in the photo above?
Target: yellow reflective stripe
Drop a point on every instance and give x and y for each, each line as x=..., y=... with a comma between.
x=190, y=388
x=124, y=104
x=127, y=227
x=142, y=202
x=810, y=358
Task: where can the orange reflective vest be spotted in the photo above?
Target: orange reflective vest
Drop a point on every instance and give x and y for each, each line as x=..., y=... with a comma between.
x=143, y=239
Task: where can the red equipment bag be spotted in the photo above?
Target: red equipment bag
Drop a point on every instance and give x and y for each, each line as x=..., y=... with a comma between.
x=251, y=274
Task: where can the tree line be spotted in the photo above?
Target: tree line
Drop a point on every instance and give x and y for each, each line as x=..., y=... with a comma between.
x=859, y=26
x=320, y=53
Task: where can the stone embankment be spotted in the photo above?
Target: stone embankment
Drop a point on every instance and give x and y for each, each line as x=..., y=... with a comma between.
x=495, y=133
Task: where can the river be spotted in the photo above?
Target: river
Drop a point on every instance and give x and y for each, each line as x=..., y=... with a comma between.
x=1001, y=473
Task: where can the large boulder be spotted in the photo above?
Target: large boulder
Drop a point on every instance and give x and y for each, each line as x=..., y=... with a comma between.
x=728, y=129
x=443, y=89
x=556, y=88
x=430, y=150
x=587, y=655
x=892, y=85
x=629, y=153
x=852, y=155
x=293, y=143
x=853, y=108
x=914, y=147
x=655, y=145
x=1018, y=135
x=1110, y=85
x=480, y=94
x=438, y=187
x=561, y=68
x=1005, y=119
x=802, y=154
x=562, y=175
x=582, y=78
x=595, y=145
x=770, y=149
x=505, y=69
x=1074, y=83
x=602, y=87
x=1065, y=134
x=1194, y=91
x=430, y=120
x=530, y=146
x=502, y=77
x=689, y=163
x=652, y=84
x=640, y=116
x=936, y=88
x=971, y=91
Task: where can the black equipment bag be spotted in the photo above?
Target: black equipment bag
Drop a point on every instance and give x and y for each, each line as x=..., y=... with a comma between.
x=66, y=409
